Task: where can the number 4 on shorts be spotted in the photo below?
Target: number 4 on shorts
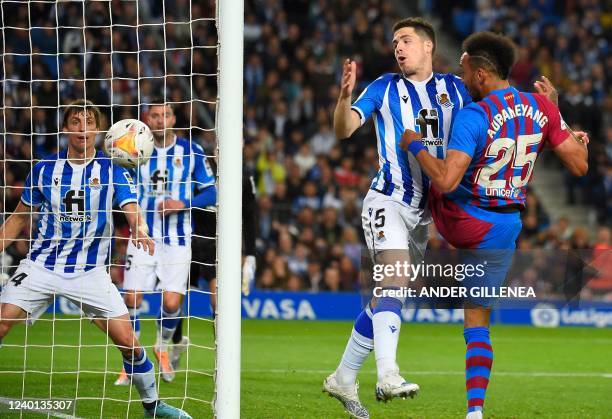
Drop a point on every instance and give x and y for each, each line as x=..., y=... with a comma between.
x=17, y=279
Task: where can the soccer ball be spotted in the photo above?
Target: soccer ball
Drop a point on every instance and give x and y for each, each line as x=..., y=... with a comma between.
x=129, y=143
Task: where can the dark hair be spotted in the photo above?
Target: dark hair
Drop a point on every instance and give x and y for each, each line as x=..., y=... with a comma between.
x=421, y=26
x=82, y=105
x=494, y=52
x=159, y=101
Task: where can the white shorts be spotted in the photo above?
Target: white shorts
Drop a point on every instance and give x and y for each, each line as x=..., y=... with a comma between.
x=33, y=288
x=389, y=224
x=169, y=264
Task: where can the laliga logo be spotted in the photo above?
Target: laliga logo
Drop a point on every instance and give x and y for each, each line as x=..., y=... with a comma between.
x=126, y=142
x=545, y=315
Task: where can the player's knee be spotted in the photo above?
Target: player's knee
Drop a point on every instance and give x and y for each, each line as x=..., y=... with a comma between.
x=476, y=317
x=172, y=302
x=171, y=307
x=132, y=299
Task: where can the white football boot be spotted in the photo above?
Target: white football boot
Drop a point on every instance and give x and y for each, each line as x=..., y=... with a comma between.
x=349, y=397
x=393, y=385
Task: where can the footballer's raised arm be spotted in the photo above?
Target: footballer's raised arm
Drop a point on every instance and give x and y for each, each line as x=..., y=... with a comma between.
x=569, y=148
x=346, y=120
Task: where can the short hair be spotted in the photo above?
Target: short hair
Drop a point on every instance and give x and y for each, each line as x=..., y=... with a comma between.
x=494, y=52
x=421, y=26
x=160, y=101
x=82, y=105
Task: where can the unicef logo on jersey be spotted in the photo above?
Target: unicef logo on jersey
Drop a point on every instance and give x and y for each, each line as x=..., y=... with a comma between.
x=74, y=207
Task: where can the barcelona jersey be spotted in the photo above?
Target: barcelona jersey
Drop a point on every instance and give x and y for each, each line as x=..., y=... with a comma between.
x=504, y=134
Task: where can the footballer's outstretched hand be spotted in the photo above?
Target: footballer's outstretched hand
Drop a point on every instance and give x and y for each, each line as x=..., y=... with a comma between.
x=349, y=76
x=546, y=88
x=408, y=137
x=140, y=238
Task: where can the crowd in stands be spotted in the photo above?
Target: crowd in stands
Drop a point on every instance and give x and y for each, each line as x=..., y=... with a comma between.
x=310, y=185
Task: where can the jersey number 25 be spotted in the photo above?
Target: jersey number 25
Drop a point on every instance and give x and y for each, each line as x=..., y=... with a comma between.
x=511, y=150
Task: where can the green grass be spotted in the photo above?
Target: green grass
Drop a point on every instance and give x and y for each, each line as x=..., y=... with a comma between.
x=541, y=373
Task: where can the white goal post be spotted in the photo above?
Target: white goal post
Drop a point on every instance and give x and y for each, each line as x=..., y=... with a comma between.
x=230, y=24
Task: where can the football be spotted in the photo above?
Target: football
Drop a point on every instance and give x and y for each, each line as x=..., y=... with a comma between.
x=129, y=143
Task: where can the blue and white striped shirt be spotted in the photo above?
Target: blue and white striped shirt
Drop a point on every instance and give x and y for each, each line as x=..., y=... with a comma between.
x=398, y=103
x=76, y=201
x=174, y=172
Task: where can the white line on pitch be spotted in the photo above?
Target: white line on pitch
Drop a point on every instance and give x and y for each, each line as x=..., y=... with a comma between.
x=408, y=373
x=6, y=401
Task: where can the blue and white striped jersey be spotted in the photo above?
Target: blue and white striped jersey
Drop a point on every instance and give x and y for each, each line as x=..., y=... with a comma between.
x=397, y=103
x=174, y=172
x=76, y=201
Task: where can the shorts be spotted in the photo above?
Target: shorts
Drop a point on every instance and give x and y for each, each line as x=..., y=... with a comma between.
x=91, y=291
x=389, y=224
x=485, y=238
x=169, y=264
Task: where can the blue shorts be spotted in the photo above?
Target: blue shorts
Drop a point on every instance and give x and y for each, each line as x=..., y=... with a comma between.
x=484, y=237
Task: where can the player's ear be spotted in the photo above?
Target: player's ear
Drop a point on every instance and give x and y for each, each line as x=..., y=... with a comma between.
x=429, y=46
x=481, y=75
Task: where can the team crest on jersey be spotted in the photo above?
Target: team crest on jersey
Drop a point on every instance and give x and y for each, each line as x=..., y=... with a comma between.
x=444, y=100
x=178, y=162
x=381, y=236
x=94, y=183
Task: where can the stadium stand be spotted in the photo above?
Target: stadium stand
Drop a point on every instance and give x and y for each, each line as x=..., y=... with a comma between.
x=310, y=185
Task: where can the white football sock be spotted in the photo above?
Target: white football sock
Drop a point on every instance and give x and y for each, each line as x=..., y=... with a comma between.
x=357, y=350
x=386, y=325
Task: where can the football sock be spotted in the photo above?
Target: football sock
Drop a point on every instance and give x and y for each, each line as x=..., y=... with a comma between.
x=386, y=323
x=358, y=348
x=143, y=377
x=166, y=323
x=478, y=362
x=177, y=337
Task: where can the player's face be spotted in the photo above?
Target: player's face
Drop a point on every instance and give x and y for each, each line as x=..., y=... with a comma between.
x=470, y=78
x=82, y=130
x=160, y=119
x=411, y=50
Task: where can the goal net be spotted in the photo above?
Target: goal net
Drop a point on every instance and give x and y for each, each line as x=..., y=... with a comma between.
x=119, y=55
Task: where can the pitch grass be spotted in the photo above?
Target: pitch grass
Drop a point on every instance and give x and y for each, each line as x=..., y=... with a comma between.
x=537, y=373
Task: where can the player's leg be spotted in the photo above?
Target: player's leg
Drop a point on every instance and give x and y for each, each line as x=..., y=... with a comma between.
x=10, y=315
x=173, y=274
x=342, y=383
x=26, y=295
x=99, y=298
x=386, y=324
x=139, y=276
x=400, y=238
x=495, y=251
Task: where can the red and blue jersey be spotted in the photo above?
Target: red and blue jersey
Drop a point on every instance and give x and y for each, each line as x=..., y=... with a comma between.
x=504, y=134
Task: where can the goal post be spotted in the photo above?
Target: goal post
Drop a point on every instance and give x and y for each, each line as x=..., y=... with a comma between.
x=230, y=21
